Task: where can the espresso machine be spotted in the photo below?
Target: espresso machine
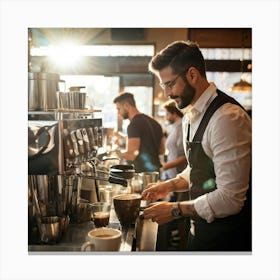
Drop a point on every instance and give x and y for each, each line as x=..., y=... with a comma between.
x=58, y=150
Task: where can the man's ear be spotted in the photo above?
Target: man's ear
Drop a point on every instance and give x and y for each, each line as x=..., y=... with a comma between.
x=192, y=75
x=126, y=105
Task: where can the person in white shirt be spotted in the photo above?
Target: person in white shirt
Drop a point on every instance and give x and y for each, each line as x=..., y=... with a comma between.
x=176, y=160
x=217, y=142
x=172, y=236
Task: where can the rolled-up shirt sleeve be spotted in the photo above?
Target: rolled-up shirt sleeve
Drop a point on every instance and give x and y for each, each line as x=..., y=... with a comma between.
x=227, y=141
x=185, y=174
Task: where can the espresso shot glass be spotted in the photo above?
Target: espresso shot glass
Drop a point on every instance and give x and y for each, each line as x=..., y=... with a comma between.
x=100, y=214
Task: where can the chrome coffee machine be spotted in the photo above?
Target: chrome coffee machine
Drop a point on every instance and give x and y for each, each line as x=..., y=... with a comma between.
x=57, y=149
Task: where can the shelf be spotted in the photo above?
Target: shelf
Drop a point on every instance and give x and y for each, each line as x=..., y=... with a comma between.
x=61, y=114
x=83, y=111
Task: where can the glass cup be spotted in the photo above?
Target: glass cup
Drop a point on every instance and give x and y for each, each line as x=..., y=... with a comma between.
x=137, y=183
x=106, y=193
x=100, y=213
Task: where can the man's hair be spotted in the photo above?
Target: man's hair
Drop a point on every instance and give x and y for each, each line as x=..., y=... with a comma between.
x=125, y=97
x=172, y=108
x=179, y=55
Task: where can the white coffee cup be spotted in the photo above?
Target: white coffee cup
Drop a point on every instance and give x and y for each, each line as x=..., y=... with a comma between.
x=103, y=239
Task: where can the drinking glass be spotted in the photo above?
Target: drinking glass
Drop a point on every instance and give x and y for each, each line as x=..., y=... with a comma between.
x=100, y=213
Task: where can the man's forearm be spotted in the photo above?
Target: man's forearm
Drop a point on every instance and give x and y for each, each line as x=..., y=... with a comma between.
x=178, y=184
x=187, y=209
x=127, y=155
x=174, y=163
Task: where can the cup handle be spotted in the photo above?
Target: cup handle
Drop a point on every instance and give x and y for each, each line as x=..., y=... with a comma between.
x=86, y=244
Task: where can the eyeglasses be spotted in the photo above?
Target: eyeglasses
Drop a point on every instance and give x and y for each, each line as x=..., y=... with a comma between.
x=171, y=84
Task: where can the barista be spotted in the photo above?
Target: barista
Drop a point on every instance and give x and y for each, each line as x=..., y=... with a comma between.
x=145, y=136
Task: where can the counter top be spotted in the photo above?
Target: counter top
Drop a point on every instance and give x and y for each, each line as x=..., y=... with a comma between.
x=76, y=235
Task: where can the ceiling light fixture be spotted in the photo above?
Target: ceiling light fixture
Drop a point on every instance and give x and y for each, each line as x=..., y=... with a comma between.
x=242, y=85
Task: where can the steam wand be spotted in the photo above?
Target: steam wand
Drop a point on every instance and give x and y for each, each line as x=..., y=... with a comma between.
x=111, y=179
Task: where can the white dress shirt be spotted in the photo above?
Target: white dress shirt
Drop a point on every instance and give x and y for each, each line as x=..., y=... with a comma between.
x=175, y=147
x=227, y=141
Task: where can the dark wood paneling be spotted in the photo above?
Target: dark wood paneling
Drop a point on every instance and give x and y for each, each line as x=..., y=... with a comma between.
x=221, y=37
x=228, y=66
x=145, y=80
x=128, y=34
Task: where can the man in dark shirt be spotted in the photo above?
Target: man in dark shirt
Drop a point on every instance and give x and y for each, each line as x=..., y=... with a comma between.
x=145, y=136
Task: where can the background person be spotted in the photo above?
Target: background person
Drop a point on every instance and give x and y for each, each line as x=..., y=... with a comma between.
x=176, y=159
x=217, y=140
x=145, y=136
x=172, y=236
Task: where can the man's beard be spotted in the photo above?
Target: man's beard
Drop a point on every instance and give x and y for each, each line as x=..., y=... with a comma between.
x=171, y=120
x=125, y=115
x=186, y=96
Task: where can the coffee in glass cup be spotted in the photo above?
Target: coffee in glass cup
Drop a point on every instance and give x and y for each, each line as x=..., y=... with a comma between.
x=100, y=213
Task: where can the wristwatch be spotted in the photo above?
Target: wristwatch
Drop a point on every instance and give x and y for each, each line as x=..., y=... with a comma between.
x=176, y=212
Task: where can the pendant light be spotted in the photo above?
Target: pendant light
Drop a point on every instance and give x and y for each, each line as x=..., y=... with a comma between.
x=242, y=85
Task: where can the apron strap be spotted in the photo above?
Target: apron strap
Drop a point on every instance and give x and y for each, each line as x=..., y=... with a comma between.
x=219, y=100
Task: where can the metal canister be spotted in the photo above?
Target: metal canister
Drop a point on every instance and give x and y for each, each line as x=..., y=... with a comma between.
x=77, y=100
x=146, y=234
x=42, y=91
x=149, y=177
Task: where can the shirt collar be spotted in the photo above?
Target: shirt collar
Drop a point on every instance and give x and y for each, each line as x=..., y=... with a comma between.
x=193, y=111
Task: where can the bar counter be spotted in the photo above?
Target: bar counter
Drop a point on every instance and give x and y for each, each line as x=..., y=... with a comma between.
x=76, y=235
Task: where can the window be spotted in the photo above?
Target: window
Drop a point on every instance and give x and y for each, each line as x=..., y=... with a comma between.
x=100, y=94
x=225, y=80
x=101, y=90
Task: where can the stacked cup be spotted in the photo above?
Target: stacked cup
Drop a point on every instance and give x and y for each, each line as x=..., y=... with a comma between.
x=71, y=100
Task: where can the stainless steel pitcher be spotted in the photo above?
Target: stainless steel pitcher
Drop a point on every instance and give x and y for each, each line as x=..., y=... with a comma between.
x=42, y=91
x=146, y=234
x=149, y=177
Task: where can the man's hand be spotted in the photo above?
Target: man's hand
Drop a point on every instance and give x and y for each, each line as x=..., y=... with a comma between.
x=159, y=212
x=164, y=165
x=155, y=191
